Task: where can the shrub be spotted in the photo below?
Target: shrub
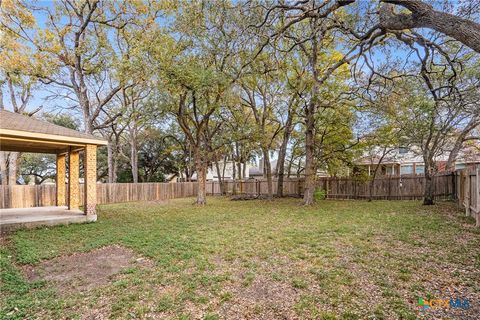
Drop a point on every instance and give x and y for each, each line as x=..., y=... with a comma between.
x=319, y=194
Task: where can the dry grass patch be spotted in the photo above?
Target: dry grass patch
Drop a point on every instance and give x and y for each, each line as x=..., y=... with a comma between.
x=84, y=271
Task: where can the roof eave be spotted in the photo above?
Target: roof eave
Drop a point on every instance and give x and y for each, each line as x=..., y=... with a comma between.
x=51, y=137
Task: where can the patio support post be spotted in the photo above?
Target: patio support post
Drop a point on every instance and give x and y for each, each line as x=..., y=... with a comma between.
x=73, y=180
x=60, y=179
x=90, y=163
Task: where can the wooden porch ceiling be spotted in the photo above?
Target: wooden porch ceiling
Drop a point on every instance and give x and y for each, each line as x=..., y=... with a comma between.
x=31, y=145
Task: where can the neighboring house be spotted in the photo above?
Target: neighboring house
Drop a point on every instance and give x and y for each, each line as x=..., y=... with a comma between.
x=171, y=178
x=406, y=161
x=257, y=172
x=226, y=170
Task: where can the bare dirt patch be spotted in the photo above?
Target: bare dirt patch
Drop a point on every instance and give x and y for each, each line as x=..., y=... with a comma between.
x=263, y=299
x=84, y=271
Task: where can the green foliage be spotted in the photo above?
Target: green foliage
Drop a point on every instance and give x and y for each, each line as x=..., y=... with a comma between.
x=299, y=283
x=360, y=174
x=62, y=119
x=319, y=194
x=37, y=168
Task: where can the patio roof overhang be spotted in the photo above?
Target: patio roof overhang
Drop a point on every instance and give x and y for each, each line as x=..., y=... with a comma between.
x=25, y=134
x=24, y=141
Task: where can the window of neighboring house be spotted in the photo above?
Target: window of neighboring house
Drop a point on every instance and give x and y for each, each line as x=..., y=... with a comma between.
x=460, y=166
x=419, y=169
x=406, y=169
x=402, y=150
x=390, y=170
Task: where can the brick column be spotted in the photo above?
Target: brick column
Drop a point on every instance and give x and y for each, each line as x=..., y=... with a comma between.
x=73, y=183
x=60, y=179
x=90, y=163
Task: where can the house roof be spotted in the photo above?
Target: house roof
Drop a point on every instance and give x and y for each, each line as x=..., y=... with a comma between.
x=23, y=133
x=368, y=160
x=255, y=171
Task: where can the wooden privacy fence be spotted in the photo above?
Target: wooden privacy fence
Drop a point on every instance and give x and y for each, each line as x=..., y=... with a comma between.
x=467, y=191
x=459, y=185
x=44, y=195
x=387, y=188
x=291, y=187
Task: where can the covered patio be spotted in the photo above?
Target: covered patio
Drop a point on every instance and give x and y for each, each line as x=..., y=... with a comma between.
x=20, y=133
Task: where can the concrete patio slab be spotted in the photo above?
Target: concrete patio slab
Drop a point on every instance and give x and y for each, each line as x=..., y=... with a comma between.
x=13, y=219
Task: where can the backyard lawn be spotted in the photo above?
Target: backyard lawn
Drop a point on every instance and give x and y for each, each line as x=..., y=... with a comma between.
x=246, y=260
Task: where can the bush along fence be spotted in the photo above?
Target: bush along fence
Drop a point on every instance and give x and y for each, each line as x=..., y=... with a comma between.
x=463, y=185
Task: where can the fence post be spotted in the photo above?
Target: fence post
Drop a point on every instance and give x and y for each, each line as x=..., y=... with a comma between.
x=326, y=187
x=389, y=187
x=454, y=186
x=466, y=201
x=477, y=206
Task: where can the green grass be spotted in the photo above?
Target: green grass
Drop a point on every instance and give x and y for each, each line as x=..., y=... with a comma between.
x=335, y=260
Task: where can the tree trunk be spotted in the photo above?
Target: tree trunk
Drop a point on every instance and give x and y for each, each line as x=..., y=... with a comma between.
x=372, y=182
x=85, y=105
x=428, y=193
x=224, y=167
x=299, y=168
x=134, y=160
x=310, y=174
x=309, y=154
x=111, y=174
x=3, y=167
x=115, y=166
x=452, y=157
x=239, y=164
x=201, y=169
x=220, y=178
x=289, y=168
x=12, y=168
x=375, y=172
x=283, y=153
x=268, y=172
x=234, y=176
